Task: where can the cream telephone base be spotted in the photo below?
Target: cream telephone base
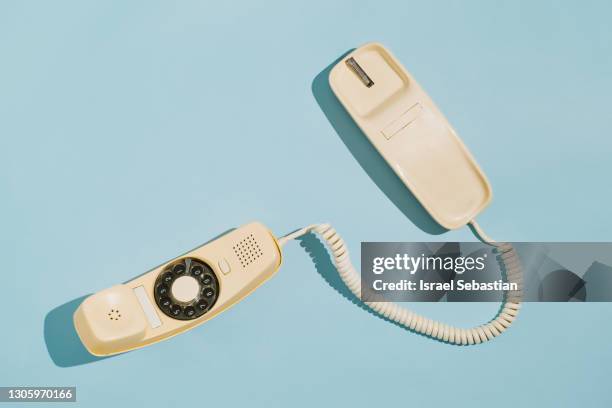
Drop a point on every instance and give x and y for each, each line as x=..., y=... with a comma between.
x=411, y=134
x=418, y=143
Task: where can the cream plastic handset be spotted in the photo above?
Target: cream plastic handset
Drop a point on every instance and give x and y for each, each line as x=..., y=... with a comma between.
x=180, y=294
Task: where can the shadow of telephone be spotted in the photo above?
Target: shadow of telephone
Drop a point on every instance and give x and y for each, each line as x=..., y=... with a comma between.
x=414, y=139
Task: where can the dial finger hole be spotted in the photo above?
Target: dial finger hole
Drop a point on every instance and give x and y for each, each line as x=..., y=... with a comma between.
x=167, y=277
x=197, y=270
x=202, y=304
x=162, y=290
x=179, y=268
x=176, y=310
x=189, y=311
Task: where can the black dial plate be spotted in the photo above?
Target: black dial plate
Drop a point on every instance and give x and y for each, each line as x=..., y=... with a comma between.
x=207, y=294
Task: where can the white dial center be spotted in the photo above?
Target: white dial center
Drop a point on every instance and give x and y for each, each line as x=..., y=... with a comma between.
x=185, y=289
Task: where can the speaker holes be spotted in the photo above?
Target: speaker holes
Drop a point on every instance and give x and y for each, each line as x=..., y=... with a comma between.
x=248, y=250
x=114, y=314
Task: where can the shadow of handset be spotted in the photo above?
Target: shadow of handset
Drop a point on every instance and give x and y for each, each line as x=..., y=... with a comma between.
x=366, y=155
x=63, y=343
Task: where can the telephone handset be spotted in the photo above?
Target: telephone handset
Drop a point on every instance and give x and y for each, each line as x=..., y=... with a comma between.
x=415, y=139
x=179, y=294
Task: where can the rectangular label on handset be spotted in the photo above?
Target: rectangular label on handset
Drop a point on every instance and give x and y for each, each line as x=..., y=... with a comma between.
x=147, y=307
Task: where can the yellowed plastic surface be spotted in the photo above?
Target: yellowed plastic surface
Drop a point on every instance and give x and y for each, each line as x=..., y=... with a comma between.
x=413, y=136
x=102, y=335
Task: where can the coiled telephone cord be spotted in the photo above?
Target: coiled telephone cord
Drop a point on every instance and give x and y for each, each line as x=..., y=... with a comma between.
x=506, y=256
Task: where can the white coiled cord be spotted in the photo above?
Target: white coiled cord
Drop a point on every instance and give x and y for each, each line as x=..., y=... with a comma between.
x=507, y=257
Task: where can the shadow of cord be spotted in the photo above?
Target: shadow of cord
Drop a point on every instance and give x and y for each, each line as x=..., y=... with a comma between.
x=325, y=267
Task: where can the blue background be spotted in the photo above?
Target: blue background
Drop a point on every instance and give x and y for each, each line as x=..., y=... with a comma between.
x=132, y=133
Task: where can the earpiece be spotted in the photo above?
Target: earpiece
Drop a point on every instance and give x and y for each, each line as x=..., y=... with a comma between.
x=110, y=320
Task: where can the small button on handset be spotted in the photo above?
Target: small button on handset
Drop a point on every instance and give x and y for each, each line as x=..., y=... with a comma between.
x=186, y=296
x=224, y=266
